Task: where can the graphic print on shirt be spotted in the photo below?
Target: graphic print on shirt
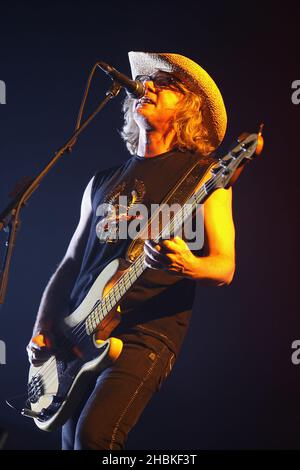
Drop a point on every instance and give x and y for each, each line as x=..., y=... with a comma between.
x=114, y=211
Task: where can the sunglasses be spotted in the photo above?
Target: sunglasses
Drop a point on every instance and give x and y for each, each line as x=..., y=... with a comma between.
x=160, y=81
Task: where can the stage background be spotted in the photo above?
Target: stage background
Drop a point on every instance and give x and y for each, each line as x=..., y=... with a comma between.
x=234, y=385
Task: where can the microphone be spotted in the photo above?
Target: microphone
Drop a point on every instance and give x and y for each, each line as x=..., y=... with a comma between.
x=134, y=88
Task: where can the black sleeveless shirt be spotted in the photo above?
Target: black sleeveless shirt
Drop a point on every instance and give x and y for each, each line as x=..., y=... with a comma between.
x=159, y=304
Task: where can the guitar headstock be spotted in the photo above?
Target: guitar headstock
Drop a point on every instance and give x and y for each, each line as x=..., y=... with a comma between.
x=228, y=168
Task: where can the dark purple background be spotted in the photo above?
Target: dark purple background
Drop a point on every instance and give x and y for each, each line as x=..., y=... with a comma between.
x=234, y=385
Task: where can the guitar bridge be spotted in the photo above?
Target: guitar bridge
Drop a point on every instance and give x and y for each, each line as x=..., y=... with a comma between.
x=30, y=413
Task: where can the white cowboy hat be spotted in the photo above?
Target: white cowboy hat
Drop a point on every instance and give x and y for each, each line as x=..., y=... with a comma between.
x=196, y=79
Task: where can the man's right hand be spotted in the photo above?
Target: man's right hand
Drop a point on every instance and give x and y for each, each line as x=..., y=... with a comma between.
x=40, y=348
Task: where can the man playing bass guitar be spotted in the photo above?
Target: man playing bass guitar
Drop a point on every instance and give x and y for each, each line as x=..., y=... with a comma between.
x=180, y=120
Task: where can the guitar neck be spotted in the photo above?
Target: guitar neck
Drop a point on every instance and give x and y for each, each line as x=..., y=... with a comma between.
x=136, y=269
x=225, y=172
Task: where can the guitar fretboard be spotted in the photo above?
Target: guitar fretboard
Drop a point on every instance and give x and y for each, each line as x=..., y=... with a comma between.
x=132, y=274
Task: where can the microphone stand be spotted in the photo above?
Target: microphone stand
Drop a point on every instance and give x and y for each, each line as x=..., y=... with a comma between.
x=10, y=217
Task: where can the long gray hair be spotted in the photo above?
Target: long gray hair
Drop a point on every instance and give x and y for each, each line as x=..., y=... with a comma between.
x=190, y=131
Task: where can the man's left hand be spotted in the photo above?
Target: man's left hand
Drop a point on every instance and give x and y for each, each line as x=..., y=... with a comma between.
x=172, y=255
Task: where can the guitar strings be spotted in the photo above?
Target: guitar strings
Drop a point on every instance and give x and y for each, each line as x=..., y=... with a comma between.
x=125, y=279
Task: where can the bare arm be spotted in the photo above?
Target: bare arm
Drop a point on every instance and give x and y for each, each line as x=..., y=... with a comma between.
x=218, y=265
x=56, y=296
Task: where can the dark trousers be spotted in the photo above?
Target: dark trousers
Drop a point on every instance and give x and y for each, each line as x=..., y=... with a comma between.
x=118, y=397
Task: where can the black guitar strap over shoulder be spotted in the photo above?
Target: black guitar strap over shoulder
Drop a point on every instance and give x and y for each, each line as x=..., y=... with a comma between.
x=179, y=194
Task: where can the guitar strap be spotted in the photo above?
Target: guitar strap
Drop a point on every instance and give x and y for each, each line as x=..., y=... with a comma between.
x=180, y=194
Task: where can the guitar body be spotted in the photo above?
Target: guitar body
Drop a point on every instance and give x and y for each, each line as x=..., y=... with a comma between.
x=56, y=387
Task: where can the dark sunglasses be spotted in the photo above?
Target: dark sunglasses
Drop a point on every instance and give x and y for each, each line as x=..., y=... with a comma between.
x=161, y=81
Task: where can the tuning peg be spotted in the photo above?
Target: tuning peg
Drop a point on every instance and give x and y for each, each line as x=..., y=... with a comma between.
x=260, y=140
x=215, y=169
x=242, y=136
